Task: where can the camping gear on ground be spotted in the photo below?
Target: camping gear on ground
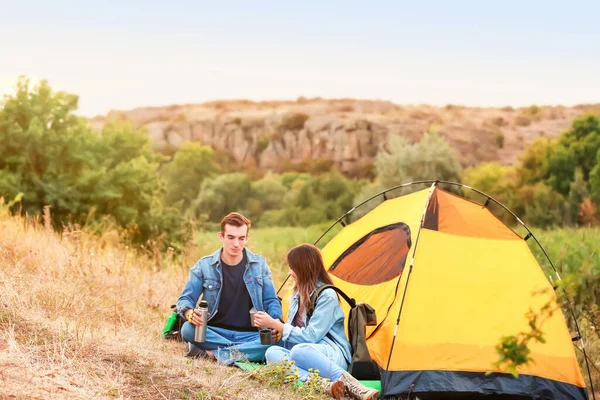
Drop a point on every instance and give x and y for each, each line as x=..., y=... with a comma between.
x=200, y=333
x=173, y=324
x=447, y=280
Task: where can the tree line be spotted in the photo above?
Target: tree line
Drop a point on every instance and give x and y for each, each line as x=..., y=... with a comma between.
x=51, y=157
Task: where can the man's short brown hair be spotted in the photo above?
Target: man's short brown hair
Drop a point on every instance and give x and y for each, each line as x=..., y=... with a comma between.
x=235, y=219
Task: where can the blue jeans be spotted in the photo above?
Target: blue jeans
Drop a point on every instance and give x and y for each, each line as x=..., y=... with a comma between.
x=308, y=355
x=228, y=346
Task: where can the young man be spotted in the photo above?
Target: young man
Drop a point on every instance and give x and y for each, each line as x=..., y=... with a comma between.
x=232, y=280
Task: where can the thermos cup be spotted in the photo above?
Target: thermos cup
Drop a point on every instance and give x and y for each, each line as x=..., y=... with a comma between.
x=200, y=334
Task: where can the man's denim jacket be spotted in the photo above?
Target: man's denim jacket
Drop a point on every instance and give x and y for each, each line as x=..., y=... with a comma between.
x=206, y=277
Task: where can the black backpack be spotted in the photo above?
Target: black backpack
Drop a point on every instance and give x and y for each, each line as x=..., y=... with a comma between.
x=362, y=366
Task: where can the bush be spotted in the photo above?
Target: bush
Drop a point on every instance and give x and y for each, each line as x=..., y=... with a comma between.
x=54, y=158
x=533, y=161
x=500, y=139
x=183, y=176
x=293, y=122
x=262, y=143
x=269, y=191
x=282, y=217
x=544, y=207
x=222, y=195
x=431, y=158
x=523, y=120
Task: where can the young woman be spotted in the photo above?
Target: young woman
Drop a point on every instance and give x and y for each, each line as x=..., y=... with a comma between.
x=318, y=341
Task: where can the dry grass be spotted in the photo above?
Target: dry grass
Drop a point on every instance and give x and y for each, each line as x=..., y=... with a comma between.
x=80, y=318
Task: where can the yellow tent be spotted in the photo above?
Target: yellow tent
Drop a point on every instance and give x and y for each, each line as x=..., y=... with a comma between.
x=448, y=279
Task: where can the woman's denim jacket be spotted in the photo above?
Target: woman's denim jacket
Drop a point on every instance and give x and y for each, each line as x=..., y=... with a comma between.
x=206, y=277
x=326, y=325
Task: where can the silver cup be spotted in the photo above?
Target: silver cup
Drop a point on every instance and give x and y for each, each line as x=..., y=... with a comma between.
x=252, y=312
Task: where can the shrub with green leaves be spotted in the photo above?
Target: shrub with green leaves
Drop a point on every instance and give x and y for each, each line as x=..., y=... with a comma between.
x=53, y=157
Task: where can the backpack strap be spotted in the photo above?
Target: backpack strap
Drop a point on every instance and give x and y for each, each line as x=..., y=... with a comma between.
x=317, y=292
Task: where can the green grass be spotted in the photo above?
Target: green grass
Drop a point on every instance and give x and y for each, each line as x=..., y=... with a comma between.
x=571, y=250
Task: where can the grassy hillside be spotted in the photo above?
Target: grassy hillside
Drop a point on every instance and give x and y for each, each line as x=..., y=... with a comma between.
x=81, y=317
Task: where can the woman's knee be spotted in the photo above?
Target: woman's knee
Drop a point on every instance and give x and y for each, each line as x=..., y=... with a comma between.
x=274, y=354
x=301, y=351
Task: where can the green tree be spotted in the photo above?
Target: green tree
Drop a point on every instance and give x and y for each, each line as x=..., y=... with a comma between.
x=543, y=207
x=595, y=181
x=432, y=158
x=331, y=186
x=288, y=178
x=191, y=165
x=532, y=161
x=491, y=178
x=54, y=158
x=583, y=139
x=365, y=193
x=577, y=193
x=497, y=181
x=221, y=195
x=560, y=166
x=267, y=193
x=577, y=147
x=44, y=149
x=288, y=216
x=270, y=191
x=399, y=161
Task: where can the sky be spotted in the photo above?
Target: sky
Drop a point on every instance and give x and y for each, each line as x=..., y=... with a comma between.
x=127, y=54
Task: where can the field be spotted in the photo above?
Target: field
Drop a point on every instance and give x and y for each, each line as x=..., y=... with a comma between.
x=81, y=316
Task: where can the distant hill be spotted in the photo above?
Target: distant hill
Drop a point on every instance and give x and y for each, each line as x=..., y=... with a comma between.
x=271, y=134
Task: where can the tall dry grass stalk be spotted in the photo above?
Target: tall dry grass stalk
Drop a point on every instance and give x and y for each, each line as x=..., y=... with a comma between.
x=81, y=317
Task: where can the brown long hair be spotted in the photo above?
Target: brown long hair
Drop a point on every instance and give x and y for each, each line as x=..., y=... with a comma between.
x=307, y=263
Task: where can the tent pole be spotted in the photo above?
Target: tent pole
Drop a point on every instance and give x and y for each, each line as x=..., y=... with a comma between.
x=412, y=260
x=585, y=357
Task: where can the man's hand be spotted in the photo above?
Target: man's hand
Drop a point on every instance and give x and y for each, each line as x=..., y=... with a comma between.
x=194, y=317
x=263, y=320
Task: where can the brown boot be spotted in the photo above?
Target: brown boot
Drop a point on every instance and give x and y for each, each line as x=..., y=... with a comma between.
x=357, y=390
x=335, y=389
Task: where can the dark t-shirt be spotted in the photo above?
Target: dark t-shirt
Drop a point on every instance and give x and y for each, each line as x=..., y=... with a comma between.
x=235, y=302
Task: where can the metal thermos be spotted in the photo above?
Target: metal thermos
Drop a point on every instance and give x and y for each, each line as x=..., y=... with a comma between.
x=200, y=334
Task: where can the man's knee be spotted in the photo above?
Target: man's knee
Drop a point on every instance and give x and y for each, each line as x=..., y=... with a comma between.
x=188, y=331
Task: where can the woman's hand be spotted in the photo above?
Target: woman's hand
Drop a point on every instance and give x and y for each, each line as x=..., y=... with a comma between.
x=263, y=320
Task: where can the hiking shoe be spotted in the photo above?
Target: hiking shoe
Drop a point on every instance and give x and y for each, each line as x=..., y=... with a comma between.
x=357, y=390
x=193, y=351
x=335, y=389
